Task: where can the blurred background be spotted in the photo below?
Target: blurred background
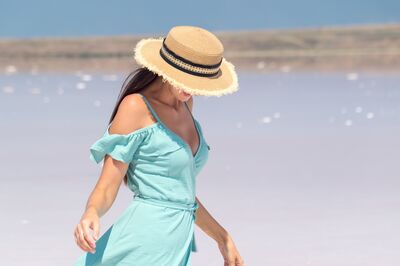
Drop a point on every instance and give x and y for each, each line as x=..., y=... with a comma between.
x=304, y=161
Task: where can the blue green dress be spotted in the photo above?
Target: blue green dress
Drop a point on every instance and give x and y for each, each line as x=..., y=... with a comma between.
x=157, y=228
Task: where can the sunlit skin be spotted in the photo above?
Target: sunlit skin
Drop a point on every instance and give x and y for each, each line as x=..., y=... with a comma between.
x=132, y=115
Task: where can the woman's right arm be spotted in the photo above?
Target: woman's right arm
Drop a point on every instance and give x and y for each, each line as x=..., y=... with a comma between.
x=127, y=119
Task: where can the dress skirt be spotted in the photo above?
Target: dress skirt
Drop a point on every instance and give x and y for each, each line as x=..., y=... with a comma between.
x=149, y=232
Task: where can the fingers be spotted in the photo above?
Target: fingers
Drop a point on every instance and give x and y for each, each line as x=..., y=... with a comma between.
x=235, y=261
x=239, y=261
x=86, y=233
x=81, y=240
x=78, y=242
x=96, y=229
x=230, y=262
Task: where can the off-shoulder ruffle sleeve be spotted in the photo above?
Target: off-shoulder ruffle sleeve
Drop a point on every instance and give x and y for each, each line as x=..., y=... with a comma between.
x=118, y=146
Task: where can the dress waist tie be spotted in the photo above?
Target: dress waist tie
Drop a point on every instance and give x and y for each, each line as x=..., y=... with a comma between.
x=191, y=207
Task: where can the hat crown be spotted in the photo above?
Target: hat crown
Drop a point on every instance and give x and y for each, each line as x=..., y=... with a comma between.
x=195, y=44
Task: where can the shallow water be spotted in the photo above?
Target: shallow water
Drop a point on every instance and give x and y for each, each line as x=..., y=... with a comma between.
x=303, y=167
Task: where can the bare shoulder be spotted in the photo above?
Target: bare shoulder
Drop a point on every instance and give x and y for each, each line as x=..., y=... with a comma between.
x=130, y=115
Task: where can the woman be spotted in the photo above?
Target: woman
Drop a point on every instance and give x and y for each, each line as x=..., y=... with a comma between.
x=155, y=145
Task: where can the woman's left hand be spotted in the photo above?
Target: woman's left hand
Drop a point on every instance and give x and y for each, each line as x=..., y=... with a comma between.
x=230, y=253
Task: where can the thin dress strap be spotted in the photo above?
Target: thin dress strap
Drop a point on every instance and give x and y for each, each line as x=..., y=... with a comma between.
x=153, y=112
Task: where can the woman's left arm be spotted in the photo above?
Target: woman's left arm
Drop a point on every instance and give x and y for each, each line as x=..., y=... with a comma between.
x=224, y=240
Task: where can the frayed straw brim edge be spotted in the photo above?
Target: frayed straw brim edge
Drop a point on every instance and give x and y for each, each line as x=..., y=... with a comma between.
x=233, y=87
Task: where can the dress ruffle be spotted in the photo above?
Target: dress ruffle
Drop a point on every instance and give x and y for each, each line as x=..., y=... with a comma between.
x=121, y=147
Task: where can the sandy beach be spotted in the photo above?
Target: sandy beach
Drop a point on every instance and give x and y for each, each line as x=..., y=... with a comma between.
x=373, y=48
x=303, y=166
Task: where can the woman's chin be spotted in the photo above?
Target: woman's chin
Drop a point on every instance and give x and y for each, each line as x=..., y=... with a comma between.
x=185, y=96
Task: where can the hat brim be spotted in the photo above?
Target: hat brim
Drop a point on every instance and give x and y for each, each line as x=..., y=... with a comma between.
x=147, y=54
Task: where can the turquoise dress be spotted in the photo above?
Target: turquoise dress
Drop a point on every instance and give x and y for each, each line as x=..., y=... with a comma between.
x=157, y=228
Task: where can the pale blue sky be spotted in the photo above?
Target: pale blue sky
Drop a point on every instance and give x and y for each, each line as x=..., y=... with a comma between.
x=43, y=18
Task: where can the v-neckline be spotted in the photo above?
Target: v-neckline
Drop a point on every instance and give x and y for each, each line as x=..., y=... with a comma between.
x=175, y=134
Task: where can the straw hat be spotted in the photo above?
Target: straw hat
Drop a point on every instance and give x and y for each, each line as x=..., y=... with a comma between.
x=189, y=58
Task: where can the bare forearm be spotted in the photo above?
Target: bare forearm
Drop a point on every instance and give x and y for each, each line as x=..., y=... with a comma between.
x=209, y=225
x=99, y=202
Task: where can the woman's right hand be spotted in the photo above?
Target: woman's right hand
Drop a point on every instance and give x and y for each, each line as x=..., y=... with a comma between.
x=83, y=237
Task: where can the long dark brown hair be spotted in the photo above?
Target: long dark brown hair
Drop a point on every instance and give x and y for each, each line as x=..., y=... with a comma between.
x=135, y=82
